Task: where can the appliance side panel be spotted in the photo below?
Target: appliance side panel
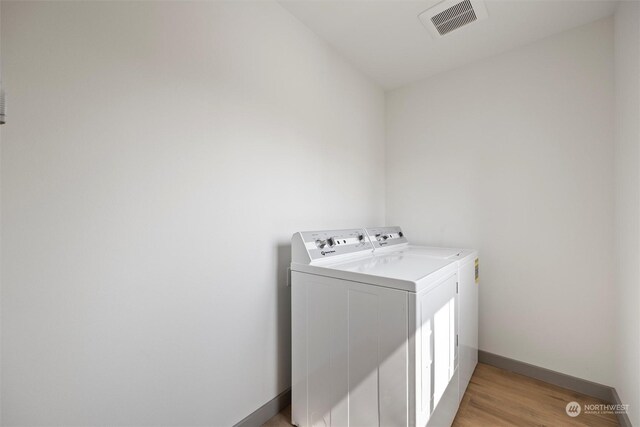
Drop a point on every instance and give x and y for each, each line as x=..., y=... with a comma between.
x=299, y=350
x=413, y=361
x=437, y=314
x=468, y=334
x=426, y=358
x=447, y=407
x=473, y=324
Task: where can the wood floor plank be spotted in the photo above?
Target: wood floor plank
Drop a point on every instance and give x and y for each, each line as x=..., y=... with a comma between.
x=498, y=398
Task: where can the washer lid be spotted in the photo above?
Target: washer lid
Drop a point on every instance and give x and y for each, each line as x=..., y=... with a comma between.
x=399, y=270
x=453, y=254
x=442, y=253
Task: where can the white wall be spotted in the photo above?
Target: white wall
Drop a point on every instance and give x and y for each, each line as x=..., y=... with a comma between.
x=627, y=204
x=157, y=159
x=513, y=155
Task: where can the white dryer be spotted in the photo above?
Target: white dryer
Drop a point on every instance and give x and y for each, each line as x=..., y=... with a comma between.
x=393, y=239
x=374, y=333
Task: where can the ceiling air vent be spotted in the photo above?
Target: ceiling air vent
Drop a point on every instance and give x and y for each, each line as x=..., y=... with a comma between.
x=450, y=15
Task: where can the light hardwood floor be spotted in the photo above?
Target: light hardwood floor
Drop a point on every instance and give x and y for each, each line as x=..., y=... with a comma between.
x=499, y=398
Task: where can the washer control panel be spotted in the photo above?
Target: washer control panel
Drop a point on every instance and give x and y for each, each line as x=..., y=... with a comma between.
x=330, y=243
x=386, y=236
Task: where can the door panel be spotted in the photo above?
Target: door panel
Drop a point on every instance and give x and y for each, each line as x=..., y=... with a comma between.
x=350, y=340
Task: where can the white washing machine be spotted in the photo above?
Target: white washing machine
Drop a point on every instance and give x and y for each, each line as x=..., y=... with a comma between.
x=392, y=239
x=374, y=332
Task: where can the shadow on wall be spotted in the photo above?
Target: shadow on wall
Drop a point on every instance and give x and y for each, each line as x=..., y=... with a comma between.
x=283, y=281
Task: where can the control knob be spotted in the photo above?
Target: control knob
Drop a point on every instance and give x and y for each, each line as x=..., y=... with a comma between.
x=321, y=243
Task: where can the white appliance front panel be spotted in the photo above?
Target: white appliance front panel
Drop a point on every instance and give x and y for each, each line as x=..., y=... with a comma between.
x=350, y=353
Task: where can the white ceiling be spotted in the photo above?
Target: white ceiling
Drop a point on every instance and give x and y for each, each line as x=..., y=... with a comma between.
x=386, y=40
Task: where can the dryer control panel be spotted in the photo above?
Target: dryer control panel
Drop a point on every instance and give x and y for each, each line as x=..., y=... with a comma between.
x=382, y=237
x=328, y=243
